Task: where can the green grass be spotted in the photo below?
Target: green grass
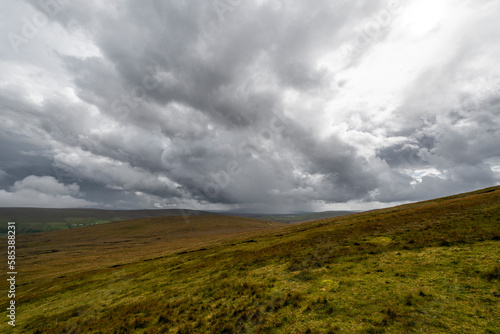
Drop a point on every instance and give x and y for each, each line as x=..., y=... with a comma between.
x=430, y=267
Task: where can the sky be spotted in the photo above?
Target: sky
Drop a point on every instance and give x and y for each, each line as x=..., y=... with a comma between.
x=250, y=105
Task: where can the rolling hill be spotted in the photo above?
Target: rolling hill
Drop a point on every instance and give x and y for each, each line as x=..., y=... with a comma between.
x=33, y=220
x=427, y=267
x=119, y=243
x=299, y=217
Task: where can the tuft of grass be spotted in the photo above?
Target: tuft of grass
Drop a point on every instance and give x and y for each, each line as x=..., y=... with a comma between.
x=493, y=273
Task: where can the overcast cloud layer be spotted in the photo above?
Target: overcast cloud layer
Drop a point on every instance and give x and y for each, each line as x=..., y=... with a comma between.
x=264, y=105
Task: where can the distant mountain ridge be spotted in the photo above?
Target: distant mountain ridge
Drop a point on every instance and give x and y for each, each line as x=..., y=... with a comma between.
x=298, y=217
x=32, y=220
x=44, y=215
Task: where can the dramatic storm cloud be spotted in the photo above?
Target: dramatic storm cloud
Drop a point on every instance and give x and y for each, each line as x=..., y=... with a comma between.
x=259, y=105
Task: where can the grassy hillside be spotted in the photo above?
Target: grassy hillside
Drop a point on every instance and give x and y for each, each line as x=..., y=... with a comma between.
x=33, y=220
x=57, y=253
x=429, y=267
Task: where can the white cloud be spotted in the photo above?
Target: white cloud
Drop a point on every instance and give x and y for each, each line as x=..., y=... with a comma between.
x=43, y=191
x=45, y=184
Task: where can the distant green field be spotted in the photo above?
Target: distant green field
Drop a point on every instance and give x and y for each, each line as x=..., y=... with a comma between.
x=69, y=223
x=33, y=220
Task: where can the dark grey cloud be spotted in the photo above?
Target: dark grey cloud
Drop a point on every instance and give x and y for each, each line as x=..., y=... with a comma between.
x=270, y=106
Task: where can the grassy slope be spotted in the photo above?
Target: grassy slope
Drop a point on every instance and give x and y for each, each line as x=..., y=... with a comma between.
x=429, y=267
x=120, y=243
